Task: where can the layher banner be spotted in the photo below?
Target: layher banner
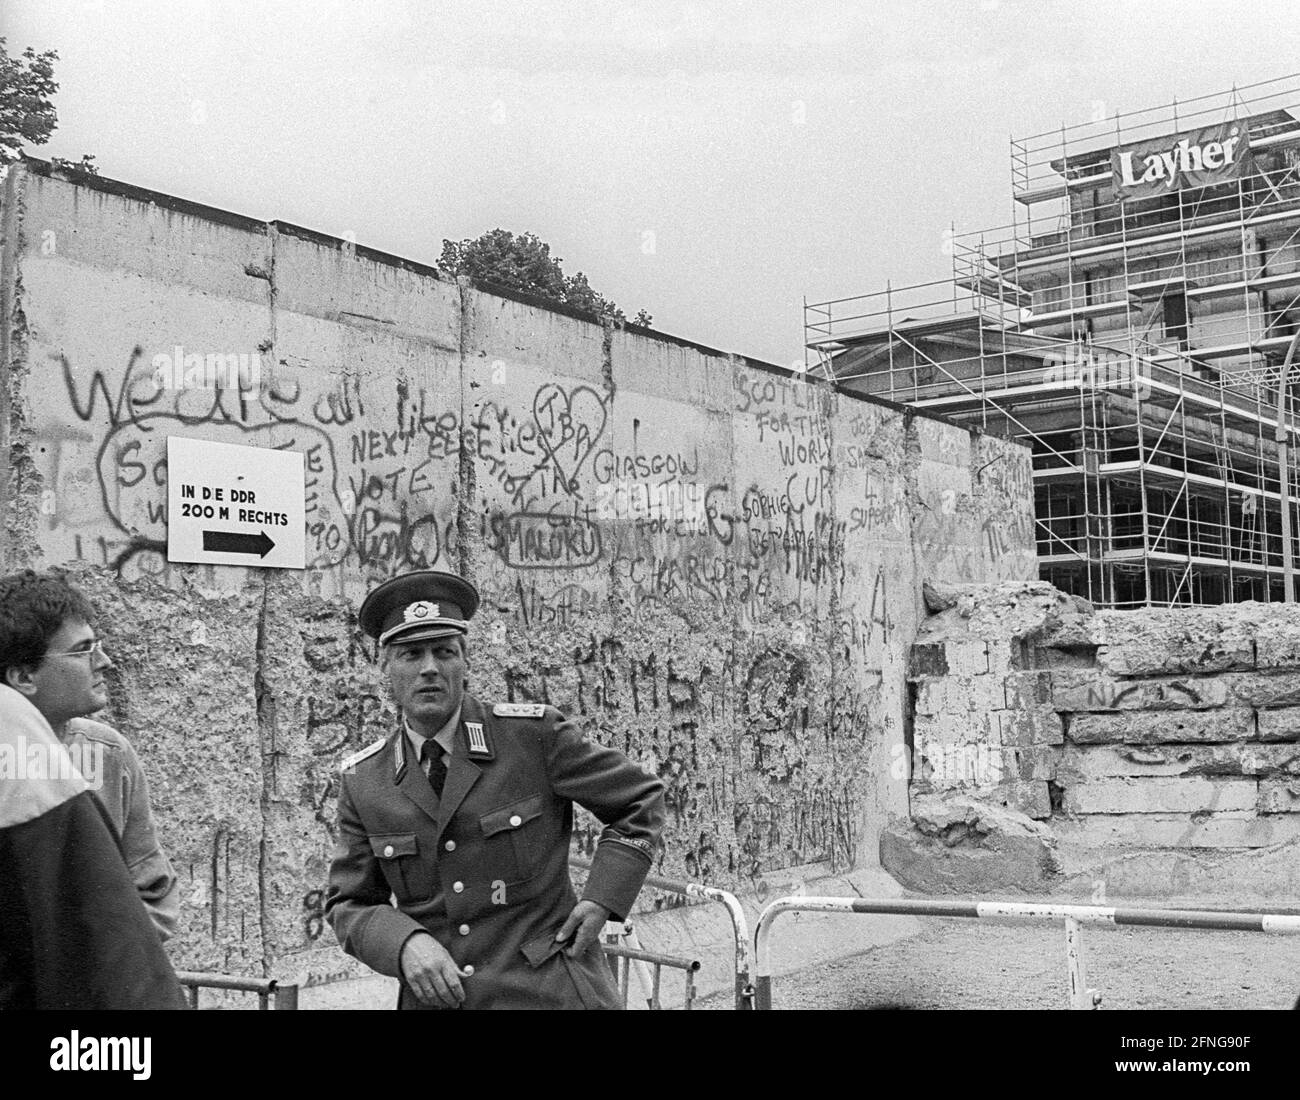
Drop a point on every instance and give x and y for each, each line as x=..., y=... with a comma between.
x=1195, y=158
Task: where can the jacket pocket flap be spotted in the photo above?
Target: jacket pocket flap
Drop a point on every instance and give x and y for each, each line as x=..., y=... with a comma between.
x=512, y=816
x=394, y=845
x=540, y=948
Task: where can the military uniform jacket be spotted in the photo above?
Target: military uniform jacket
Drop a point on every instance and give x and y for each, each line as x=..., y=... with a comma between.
x=485, y=868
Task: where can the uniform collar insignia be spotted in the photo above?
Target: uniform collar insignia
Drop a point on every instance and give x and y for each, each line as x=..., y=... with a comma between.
x=399, y=756
x=476, y=737
x=519, y=710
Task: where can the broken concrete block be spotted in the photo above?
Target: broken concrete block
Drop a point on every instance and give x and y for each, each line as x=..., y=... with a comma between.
x=992, y=612
x=1155, y=642
x=1153, y=795
x=1282, y=724
x=1052, y=658
x=962, y=729
x=929, y=659
x=963, y=845
x=1034, y=762
x=1277, y=640
x=1233, y=829
x=1090, y=691
x=931, y=697
x=1027, y=796
x=967, y=657
x=1028, y=689
x=950, y=764
x=1279, y=796
x=1155, y=727
x=1263, y=689
x=1081, y=763
x=983, y=693
x=1073, y=629
x=1030, y=727
x=1010, y=656
x=938, y=597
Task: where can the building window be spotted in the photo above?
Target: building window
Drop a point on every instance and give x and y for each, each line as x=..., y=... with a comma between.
x=1175, y=317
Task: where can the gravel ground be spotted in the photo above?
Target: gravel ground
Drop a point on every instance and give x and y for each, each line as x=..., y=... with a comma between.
x=978, y=964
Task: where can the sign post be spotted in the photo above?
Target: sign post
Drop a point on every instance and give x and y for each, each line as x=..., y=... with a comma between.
x=235, y=505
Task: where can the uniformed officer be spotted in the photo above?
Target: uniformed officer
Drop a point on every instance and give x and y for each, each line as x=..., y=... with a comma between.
x=463, y=816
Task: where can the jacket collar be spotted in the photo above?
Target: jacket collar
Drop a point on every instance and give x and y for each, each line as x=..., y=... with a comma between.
x=462, y=771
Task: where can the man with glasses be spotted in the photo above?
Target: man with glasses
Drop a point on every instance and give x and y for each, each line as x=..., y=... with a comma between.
x=49, y=654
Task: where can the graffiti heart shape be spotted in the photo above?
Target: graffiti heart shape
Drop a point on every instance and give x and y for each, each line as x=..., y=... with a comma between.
x=568, y=423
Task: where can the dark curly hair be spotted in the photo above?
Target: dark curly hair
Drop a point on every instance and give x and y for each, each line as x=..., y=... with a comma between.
x=33, y=606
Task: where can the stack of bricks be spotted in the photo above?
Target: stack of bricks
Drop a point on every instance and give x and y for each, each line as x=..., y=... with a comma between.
x=1184, y=733
x=1138, y=729
x=983, y=722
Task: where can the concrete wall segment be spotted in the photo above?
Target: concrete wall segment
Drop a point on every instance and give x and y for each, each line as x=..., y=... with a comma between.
x=712, y=564
x=1149, y=730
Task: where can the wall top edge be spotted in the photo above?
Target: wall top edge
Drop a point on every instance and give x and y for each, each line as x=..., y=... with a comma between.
x=145, y=195
x=262, y=227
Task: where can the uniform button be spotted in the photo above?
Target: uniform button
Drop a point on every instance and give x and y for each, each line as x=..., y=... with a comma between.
x=458, y=886
x=516, y=821
x=464, y=929
x=450, y=845
x=388, y=851
x=468, y=970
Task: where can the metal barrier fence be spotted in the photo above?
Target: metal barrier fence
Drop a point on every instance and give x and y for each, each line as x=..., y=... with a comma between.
x=1074, y=916
x=621, y=957
x=739, y=925
x=284, y=994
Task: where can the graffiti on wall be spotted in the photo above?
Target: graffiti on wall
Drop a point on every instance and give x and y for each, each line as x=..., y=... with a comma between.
x=683, y=601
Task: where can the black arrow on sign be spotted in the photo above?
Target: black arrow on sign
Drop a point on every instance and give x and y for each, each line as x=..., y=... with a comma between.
x=233, y=542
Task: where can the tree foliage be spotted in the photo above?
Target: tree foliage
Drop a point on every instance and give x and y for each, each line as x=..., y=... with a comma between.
x=524, y=262
x=27, y=115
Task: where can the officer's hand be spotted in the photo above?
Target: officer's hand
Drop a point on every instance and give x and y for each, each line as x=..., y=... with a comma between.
x=584, y=925
x=430, y=972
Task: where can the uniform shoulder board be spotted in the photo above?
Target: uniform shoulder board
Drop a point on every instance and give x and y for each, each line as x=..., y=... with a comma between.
x=519, y=710
x=356, y=758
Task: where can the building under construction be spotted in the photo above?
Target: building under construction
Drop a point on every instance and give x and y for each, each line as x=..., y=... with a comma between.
x=1133, y=326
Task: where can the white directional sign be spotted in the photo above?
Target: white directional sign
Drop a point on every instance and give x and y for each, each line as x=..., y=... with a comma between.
x=233, y=505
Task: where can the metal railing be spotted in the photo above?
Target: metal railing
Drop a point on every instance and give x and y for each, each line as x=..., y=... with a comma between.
x=1074, y=916
x=268, y=990
x=744, y=988
x=621, y=957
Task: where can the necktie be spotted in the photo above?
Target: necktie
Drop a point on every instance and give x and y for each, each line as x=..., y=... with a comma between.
x=431, y=751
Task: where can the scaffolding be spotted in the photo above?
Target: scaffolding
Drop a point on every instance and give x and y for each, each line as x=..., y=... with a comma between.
x=1136, y=345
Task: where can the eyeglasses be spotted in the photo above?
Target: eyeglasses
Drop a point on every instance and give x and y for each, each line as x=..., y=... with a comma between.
x=96, y=649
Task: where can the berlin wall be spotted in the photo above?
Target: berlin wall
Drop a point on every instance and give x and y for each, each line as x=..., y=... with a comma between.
x=709, y=562
x=1145, y=753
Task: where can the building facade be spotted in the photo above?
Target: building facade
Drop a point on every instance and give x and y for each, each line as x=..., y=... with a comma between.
x=1133, y=326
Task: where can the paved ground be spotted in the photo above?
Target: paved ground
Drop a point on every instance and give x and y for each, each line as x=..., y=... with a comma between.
x=978, y=964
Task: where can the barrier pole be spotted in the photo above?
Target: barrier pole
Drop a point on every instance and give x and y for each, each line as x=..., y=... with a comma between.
x=1081, y=997
x=649, y=983
x=1209, y=919
x=739, y=925
x=284, y=995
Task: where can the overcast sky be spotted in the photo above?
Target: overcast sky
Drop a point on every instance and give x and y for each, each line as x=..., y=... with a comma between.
x=710, y=162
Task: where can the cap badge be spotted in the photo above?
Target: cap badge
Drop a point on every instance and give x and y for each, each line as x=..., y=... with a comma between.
x=420, y=610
